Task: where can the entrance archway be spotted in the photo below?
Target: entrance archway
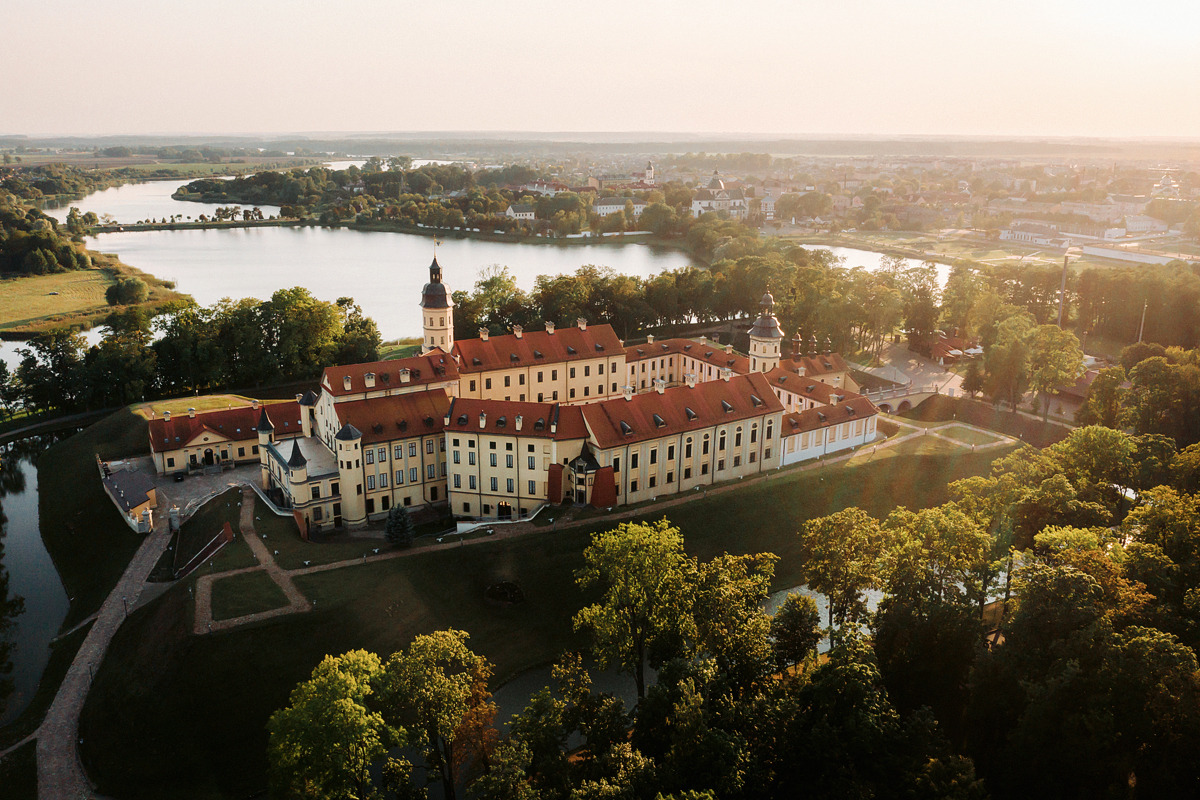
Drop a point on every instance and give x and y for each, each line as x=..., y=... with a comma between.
x=504, y=510
x=905, y=406
x=885, y=408
x=209, y=459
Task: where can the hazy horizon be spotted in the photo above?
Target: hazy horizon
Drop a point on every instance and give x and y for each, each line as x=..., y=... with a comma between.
x=1097, y=70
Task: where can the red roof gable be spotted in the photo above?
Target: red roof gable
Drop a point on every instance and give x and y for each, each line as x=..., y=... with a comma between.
x=854, y=407
x=565, y=344
x=431, y=368
x=382, y=419
x=232, y=423
x=621, y=421
x=708, y=352
x=537, y=419
x=820, y=364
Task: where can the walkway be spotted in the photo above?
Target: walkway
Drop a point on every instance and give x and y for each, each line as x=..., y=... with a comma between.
x=297, y=603
x=204, y=622
x=60, y=775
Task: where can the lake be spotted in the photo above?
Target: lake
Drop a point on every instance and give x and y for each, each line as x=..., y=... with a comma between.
x=31, y=573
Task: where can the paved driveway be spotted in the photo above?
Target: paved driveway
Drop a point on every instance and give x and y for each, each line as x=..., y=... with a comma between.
x=194, y=490
x=922, y=371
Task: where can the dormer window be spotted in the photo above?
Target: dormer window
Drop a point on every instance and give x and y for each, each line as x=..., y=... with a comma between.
x=641, y=352
x=599, y=347
x=625, y=429
x=476, y=362
x=687, y=347
x=462, y=420
x=665, y=347
x=571, y=350
x=709, y=354
x=540, y=425
x=513, y=357
x=659, y=422
x=850, y=410
x=821, y=416
x=726, y=407
x=757, y=401
x=690, y=414
x=501, y=422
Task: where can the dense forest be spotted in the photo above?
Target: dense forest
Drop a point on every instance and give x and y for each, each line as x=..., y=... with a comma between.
x=32, y=243
x=1033, y=637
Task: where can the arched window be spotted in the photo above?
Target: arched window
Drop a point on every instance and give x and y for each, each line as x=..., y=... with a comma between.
x=721, y=442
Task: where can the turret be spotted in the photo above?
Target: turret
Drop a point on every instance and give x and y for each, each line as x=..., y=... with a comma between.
x=266, y=436
x=765, y=337
x=437, y=312
x=348, y=445
x=297, y=466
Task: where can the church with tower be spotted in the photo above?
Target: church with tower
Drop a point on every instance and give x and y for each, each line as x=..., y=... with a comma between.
x=497, y=427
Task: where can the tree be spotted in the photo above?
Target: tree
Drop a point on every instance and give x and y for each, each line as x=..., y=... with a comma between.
x=1007, y=360
x=795, y=629
x=1103, y=403
x=400, y=528
x=127, y=292
x=840, y=560
x=1055, y=360
x=640, y=569
x=437, y=691
x=323, y=744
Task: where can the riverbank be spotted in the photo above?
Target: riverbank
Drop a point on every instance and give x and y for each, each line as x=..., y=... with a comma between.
x=34, y=304
x=197, y=226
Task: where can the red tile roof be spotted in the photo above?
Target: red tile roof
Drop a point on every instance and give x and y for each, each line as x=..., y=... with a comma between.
x=233, y=423
x=806, y=386
x=820, y=364
x=508, y=351
x=432, y=368
x=537, y=419
x=854, y=407
x=382, y=419
x=621, y=421
x=708, y=352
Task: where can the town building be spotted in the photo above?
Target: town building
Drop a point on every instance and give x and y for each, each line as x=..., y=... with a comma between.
x=214, y=439
x=611, y=205
x=721, y=200
x=521, y=211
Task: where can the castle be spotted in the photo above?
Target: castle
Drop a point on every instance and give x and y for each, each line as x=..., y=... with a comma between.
x=494, y=428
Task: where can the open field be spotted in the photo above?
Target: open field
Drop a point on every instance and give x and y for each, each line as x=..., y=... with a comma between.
x=400, y=348
x=247, y=593
x=1028, y=429
x=73, y=299
x=191, y=709
x=967, y=435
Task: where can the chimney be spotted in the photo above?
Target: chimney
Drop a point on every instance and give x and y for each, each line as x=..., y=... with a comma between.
x=703, y=339
x=517, y=421
x=518, y=331
x=482, y=419
x=346, y=382
x=690, y=380
x=726, y=374
x=166, y=416
x=549, y=327
x=192, y=413
x=650, y=338
x=660, y=385
x=370, y=380
x=582, y=323
x=628, y=392
x=729, y=348
x=483, y=334
x=457, y=359
x=801, y=371
x=405, y=374
x=833, y=399
x=254, y=404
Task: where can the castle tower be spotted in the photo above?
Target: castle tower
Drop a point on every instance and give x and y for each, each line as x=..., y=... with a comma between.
x=266, y=436
x=348, y=444
x=765, y=337
x=437, y=312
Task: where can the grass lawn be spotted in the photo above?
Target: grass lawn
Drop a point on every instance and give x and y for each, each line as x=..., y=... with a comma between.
x=190, y=710
x=940, y=408
x=282, y=536
x=86, y=537
x=205, y=524
x=400, y=348
x=33, y=298
x=967, y=435
x=247, y=593
x=180, y=405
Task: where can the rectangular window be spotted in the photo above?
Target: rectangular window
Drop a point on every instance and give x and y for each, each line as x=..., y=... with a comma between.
x=382, y=454
x=456, y=457
x=170, y=462
x=670, y=477
x=600, y=369
x=429, y=472
x=316, y=493
x=633, y=460
x=471, y=458
x=495, y=484
x=753, y=457
x=385, y=502
x=554, y=376
x=429, y=446
x=587, y=371
x=487, y=383
x=587, y=391
x=413, y=475
x=753, y=435
x=241, y=452
x=671, y=453
x=616, y=463
x=466, y=508
x=572, y=393
x=369, y=456
x=531, y=462
x=767, y=453
x=533, y=487
x=471, y=481
x=720, y=464
x=383, y=480
x=370, y=481
x=511, y=488
x=704, y=449
x=398, y=451
x=493, y=459
x=687, y=450
x=737, y=439
x=572, y=372
x=472, y=386
x=654, y=455
x=521, y=379
x=653, y=481
x=317, y=514
x=704, y=469
x=412, y=449
x=507, y=381
x=509, y=461
x=370, y=505
x=457, y=481
x=737, y=461
x=539, y=376
x=687, y=473
x=633, y=486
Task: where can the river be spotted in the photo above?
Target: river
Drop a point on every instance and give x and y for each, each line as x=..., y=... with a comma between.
x=31, y=573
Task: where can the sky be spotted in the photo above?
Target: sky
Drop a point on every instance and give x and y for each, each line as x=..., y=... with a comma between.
x=804, y=67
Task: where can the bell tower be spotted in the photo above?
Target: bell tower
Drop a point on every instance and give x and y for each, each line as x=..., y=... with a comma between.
x=765, y=337
x=437, y=313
